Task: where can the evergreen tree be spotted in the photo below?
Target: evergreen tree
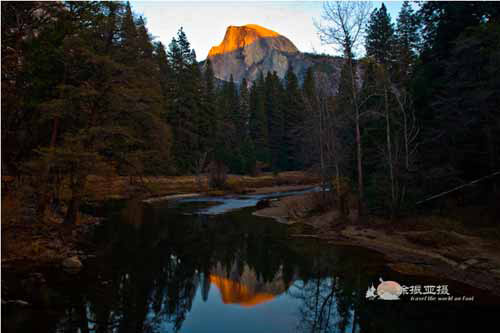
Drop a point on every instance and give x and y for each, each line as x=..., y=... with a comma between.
x=128, y=36
x=308, y=130
x=244, y=108
x=258, y=120
x=247, y=147
x=233, y=121
x=185, y=105
x=407, y=42
x=309, y=86
x=160, y=54
x=274, y=98
x=210, y=107
x=293, y=118
x=108, y=108
x=380, y=36
x=144, y=42
x=448, y=55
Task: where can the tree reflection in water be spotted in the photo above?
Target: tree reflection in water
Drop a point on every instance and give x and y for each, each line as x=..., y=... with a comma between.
x=330, y=291
x=326, y=306
x=153, y=263
x=152, y=268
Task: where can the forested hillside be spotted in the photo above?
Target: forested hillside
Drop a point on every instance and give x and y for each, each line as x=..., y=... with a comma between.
x=86, y=90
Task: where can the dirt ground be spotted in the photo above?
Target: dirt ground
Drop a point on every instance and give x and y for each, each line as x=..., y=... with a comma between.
x=432, y=246
x=45, y=244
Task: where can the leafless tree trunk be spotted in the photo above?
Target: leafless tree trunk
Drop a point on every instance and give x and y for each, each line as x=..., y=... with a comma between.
x=390, y=160
x=411, y=129
x=200, y=165
x=321, y=146
x=342, y=25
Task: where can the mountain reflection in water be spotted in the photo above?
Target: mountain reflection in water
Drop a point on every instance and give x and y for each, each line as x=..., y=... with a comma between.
x=246, y=289
x=167, y=271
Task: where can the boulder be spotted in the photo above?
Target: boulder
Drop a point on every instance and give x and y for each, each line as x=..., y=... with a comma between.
x=264, y=203
x=72, y=264
x=18, y=302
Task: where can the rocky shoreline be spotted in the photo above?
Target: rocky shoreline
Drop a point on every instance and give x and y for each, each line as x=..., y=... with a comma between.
x=409, y=249
x=50, y=245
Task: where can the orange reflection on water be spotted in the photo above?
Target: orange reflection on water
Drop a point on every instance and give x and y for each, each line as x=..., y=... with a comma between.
x=237, y=293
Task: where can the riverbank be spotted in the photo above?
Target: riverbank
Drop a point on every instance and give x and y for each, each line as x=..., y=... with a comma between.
x=28, y=242
x=422, y=245
x=47, y=244
x=120, y=187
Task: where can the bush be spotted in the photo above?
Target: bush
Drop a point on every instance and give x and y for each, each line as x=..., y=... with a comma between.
x=235, y=185
x=217, y=175
x=322, y=202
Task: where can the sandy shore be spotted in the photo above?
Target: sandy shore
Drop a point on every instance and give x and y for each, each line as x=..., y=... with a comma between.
x=171, y=197
x=411, y=248
x=262, y=190
x=280, y=188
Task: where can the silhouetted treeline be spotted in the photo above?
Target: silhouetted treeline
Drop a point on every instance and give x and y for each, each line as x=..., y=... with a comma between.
x=84, y=84
x=418, y=114
x=86, y=90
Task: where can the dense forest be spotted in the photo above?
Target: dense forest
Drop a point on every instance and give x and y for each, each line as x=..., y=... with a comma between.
x=86, y=90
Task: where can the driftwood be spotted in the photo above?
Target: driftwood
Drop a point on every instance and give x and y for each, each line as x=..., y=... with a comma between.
x=474, y=182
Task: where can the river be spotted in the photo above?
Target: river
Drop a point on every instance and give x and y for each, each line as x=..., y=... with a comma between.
x=209, y=265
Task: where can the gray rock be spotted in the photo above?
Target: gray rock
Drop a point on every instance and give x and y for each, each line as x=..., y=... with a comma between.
x=471, y=262
x=264, y=203
x=72, y=264
x=33, y=281
x=16, y=302
x=249, y=50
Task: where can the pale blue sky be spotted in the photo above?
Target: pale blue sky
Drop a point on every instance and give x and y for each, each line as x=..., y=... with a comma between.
x=205, y=22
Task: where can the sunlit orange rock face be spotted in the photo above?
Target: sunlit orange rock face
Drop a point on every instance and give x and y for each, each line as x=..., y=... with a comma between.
x=245, y=288
x=239, y=37
x=250, y=49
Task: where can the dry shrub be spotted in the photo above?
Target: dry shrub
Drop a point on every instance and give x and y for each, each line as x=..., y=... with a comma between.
x=341, y=185
x=300, y=228
x=294, y=209
x=280, y=180
x=295, y=178
x=259, y=167
x=309, y=204
x=217, y=174
x=308, y=178
x=216, y=193
x=10, y=207
x=17, y=199
x=322, y=202
x=235, y=185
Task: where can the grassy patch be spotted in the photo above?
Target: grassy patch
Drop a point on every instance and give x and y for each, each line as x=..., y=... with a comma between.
x=301, y=228
x=448, y=224
x=435, y=238
x=101, y=188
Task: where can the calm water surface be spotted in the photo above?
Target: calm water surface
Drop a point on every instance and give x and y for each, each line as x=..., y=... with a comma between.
x=184, y=267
